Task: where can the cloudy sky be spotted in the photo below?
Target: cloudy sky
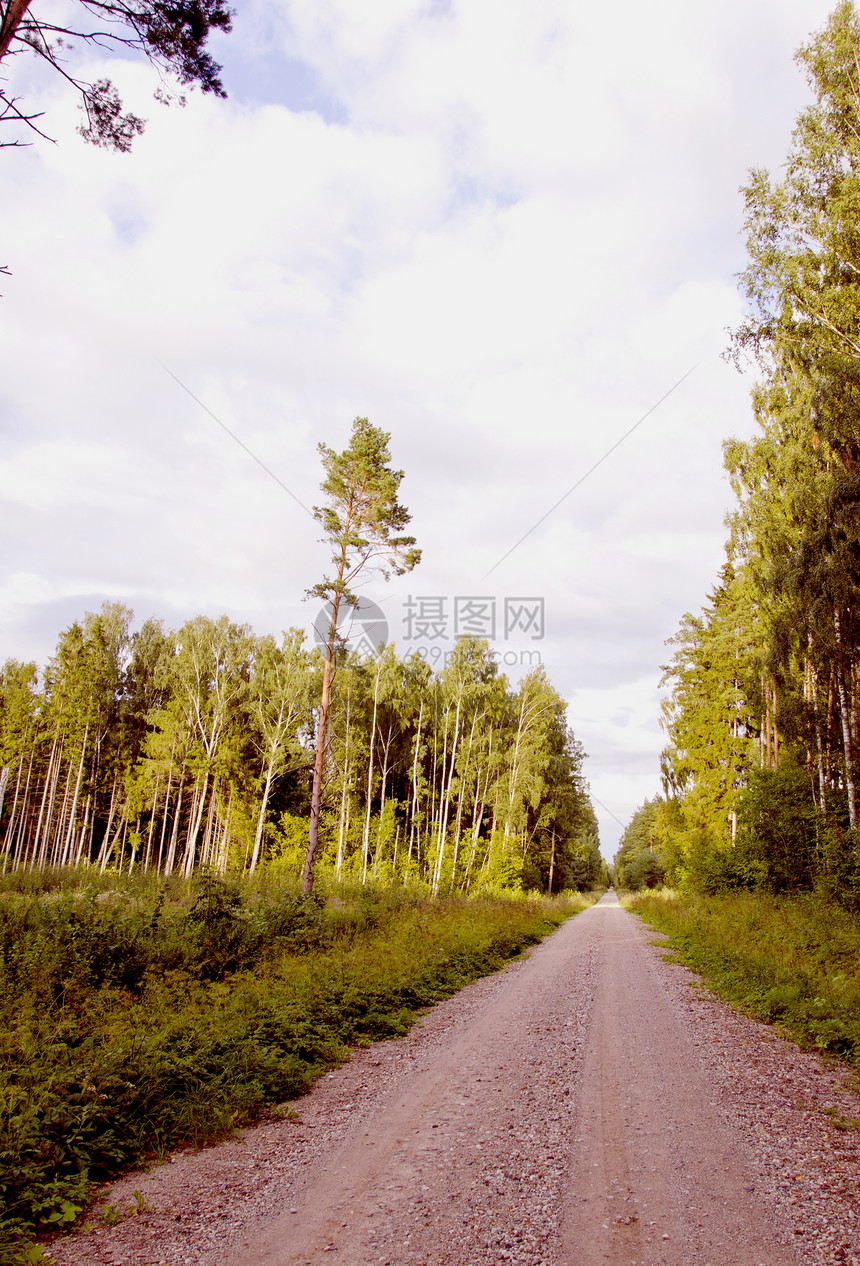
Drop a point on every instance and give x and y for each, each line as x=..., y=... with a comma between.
x=501, y=231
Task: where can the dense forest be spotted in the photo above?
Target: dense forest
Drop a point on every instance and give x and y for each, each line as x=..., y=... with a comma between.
x=760, y=770
x=173, y=751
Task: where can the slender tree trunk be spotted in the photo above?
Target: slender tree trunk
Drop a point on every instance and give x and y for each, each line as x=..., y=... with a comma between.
x=104, y=852
x=49, y=816
x=197, y=811
x=316, y=791
x=413, y=825
x=434, y=774
x=10, y=828
x=439, y=799
x=382, y=791
x=343, y=824
x=207, y=834
x=515, y=771
x=478, y=811
x=445, y=795
x=132, y=854
x=846, y=724
x=58, y=847
x=4, y=782
x=35, y=845
x=165, y=814
x=829, y=731
x=365, y=843
x=174, y=835
x=70, y=837
x=223, y=853
x=343, y=819
x=122, y=836
x=461, y=801
x=79, y=853
x=819, y=752
x=21, y=846
x=322, y=734
x=261, y=816
x=152, y=816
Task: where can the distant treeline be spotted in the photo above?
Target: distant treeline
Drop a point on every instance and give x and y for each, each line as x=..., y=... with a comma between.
x=178, y=750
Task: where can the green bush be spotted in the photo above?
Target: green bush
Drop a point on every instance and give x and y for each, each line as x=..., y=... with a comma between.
x=794, y=960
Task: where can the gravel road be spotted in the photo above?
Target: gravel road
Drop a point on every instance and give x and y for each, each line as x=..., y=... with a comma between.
x=583, y=1106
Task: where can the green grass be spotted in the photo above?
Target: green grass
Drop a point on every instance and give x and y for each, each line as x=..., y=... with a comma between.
x=138, y=1019
x=790, y=960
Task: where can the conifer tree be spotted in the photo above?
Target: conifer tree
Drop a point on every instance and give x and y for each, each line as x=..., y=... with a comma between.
x=363, y=523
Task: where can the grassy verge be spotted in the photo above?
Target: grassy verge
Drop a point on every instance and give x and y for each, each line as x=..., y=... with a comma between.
x=135, y=1020
x=791, y=960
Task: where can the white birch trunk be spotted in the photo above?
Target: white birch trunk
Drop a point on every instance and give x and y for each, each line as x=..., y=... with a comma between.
x=174, y=834
x=38, y=835
x=445, y=796
x=104, y=851
x=414, y=829
x=79, y=853
x=365, y=843
x=261, y=816
x=10, y=829
x=70, y=835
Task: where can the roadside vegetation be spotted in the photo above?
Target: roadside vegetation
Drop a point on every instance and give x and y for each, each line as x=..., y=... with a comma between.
x=790, y=960
x=139, y=1014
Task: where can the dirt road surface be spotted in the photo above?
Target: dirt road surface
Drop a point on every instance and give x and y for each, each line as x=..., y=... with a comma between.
x=585, y=1106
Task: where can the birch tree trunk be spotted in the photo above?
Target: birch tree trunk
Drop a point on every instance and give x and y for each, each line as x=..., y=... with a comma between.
x=461, y=801
x=445, y=800
x=198, y=807
x=846, y=723
x=413, y=825
x=81, y=841
x=147, y=855
x=174, y=834
x=261, y=816
x=104, y=852
x=57, y=849
x=10, y=827
x=819, y=752
x=365, y=843
x=35, y=845
x=70, y=836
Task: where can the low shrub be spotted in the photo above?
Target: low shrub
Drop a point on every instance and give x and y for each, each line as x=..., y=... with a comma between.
x=794, y=960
